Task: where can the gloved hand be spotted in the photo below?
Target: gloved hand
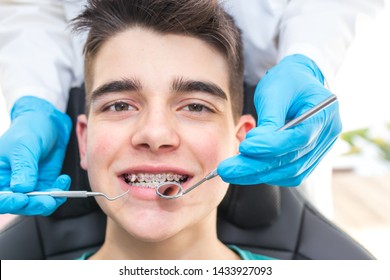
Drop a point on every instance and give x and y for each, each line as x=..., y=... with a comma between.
x=287, y=157
x=32, y=151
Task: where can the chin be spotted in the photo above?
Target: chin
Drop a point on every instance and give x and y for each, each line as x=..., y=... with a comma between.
x=151, y=233
x=155, y=237
x=149, y=228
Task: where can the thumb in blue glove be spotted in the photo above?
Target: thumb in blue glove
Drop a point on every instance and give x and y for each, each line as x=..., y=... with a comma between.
x=31, y=155
x=285, y=158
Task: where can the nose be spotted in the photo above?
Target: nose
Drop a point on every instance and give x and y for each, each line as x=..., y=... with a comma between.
x=156, y=131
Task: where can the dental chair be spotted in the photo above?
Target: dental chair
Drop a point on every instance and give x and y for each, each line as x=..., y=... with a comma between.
x=273, y=221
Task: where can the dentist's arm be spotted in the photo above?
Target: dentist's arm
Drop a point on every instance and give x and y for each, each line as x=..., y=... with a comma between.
x=31, y=154
x=36, y=72
x=313, y=39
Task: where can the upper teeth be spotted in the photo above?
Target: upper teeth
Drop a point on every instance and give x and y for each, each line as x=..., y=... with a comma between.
x=151, y=178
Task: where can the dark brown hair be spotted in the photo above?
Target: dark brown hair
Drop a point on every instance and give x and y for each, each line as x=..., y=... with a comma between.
x=202, y=19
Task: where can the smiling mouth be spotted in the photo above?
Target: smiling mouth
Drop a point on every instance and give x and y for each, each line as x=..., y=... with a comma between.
x=149, y=180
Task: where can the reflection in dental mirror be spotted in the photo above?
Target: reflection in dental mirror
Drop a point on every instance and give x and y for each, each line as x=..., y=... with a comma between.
x=169, y=190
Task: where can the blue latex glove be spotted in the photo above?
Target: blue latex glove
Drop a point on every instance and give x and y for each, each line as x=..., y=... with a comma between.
x=32, y=151
x=285, y=158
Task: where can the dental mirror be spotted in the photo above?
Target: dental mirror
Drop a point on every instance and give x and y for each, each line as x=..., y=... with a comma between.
x=172, y=190
x=169, y=190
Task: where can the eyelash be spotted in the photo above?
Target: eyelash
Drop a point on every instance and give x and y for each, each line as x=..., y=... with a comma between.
x=112, y=106
x=202, y=107
x=196, y=107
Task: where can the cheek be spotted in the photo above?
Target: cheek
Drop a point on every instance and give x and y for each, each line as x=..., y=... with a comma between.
x=99, y=145
x=214, y=145
x=101, y=151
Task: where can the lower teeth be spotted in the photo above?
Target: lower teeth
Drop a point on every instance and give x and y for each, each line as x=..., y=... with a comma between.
x=146, y=185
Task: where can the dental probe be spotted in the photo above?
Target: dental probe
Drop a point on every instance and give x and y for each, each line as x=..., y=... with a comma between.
x=171, y=190
x=70, y=194
x=310, y=112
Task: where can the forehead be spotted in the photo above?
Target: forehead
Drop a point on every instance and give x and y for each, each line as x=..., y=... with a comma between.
x=155, y=58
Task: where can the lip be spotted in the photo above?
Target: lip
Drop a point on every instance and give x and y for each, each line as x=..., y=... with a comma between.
x=144, y=193
x=156, y=170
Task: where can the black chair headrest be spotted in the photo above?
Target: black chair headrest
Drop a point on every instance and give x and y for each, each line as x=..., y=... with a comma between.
x=252, y=206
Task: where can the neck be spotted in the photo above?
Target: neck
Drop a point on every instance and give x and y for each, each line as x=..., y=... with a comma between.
x=199, y=242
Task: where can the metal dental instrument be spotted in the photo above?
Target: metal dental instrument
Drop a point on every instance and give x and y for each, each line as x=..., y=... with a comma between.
x=70, y=194
x=321, y=106
x=172, y=190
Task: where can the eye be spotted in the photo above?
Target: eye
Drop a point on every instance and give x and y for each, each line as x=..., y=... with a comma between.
x=195, y=107
x=120, y=106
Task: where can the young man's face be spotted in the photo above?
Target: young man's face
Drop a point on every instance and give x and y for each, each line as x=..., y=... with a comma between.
x=160, y=108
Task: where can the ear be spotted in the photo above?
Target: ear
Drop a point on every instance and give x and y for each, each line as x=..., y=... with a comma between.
x=81, y=132
x=246, y=123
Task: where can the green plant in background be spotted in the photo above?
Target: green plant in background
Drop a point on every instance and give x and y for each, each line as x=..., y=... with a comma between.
x=352, y=137
x=383, y=146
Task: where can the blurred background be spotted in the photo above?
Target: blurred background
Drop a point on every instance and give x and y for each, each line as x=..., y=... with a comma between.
x=361, y=157
x=361, y=165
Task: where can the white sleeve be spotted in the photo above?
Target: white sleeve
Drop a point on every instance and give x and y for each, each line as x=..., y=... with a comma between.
x=37, y=53
x=322, y=29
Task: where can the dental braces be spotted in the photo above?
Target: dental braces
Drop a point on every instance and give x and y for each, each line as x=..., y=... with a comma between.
x=160, y=178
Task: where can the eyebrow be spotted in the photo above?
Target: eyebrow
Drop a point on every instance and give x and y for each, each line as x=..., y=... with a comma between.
x=181, y=84
x=126, y=84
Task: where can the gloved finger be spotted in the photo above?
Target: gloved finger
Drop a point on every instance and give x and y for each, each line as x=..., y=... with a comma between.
x=45, y=205
x=298, y=139
x=310, y=96
x=243, y=170
x=24, y=166
x=271, y=111
x=62, y=183
x=293, y=174
x=50, y=167
x=264, y=140
x=285, y=170
x=5, y=174
x=38, y=205
x=11, y=203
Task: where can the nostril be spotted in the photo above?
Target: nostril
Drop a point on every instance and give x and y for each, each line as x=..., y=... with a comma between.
x=156, y=136
x=165, y=146
x=144, y=146
x=155, y=148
